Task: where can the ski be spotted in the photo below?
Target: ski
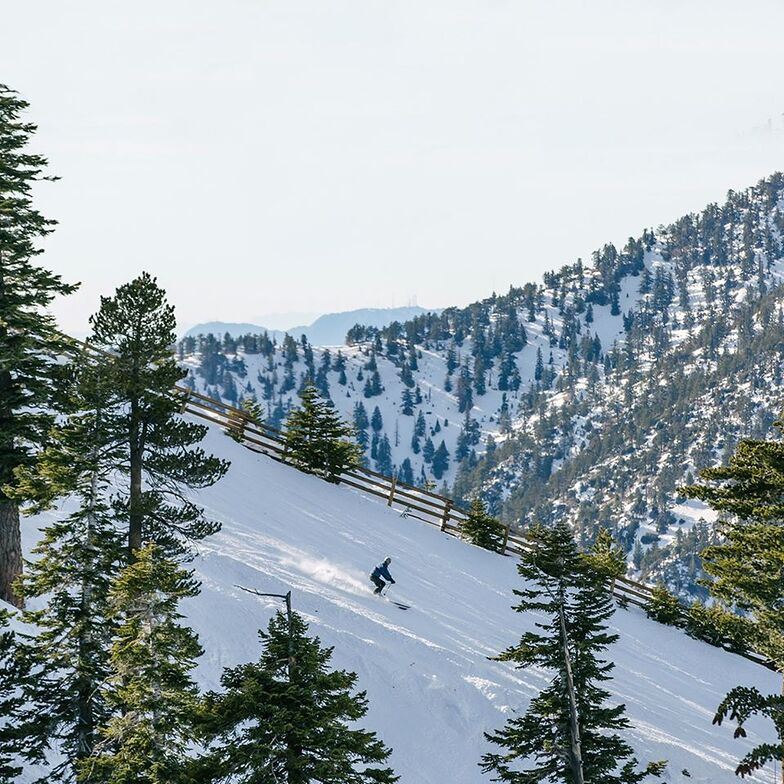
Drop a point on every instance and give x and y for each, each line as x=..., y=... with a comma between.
x=396, y=603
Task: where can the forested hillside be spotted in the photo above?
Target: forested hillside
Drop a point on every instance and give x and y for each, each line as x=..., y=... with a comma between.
x=589, y=397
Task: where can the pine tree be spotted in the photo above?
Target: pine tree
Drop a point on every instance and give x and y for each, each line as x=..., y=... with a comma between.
x=716, y=626
x=361, y=423
x=465, y=398
x=407, y=403
x=420, y=427
x=607, y=557
x=440, y=460
x=664, y=607
x=12, y=740
x=569, y=732
x=481, y=528
x=384, y=456
x=376, y=420
x=289, y=718
x=317, y=441
x=150, y=690
x=748, y=573
x=137, y=328
x=253, y=414
x=66, y=651
x=405, y=473
x=539, y=369
x=29, y=342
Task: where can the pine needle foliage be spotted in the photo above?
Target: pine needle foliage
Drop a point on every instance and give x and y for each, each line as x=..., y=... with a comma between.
x=317, y=440
x=289, y=718
x=481, y=528
x=29, y=342
x=569, y=732
x=150, y=689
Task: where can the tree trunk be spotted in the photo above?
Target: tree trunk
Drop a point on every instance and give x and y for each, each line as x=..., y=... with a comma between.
x=575, y=756
x=10, y=551
x=135, y=513
x=86, y=688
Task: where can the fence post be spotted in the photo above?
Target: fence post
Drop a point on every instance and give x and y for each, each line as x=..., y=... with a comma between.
x=241, y=433
x=506, y=539
x=445, y=518
x=185, y=398
x=392, y=491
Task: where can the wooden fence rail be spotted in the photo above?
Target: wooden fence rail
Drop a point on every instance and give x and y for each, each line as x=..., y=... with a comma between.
x=417, y=502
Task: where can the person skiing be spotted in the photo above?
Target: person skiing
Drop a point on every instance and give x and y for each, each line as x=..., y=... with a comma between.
x=382, y=570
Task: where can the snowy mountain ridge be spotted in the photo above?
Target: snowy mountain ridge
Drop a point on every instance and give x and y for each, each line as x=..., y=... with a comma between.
x=529, y=391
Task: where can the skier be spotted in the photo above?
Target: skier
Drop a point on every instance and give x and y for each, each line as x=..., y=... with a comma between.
x=382, y=570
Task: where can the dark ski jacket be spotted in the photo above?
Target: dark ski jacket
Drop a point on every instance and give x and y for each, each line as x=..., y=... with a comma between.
x=382, y=571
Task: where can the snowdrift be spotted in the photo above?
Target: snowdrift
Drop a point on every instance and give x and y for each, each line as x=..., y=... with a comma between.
x=431, y=687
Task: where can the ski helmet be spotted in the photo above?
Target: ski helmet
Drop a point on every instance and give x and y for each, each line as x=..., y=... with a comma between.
x=387, y=560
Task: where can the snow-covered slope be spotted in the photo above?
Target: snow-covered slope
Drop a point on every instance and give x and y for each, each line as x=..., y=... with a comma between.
x=432, y=689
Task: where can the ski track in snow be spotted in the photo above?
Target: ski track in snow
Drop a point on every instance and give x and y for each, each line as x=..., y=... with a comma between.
x=433, y=690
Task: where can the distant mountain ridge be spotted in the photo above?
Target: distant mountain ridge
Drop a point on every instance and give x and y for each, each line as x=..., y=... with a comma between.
x=327, y=330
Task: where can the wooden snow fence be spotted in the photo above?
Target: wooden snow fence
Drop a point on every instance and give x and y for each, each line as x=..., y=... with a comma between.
x=417, y=502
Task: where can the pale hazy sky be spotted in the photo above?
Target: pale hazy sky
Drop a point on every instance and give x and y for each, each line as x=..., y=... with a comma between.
x=264, y=156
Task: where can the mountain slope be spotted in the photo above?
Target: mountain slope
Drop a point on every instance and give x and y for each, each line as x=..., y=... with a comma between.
x=590, y=397
x=431, y=687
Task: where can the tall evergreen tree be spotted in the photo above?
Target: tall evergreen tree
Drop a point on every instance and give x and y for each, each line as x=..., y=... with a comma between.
x=747, y=568
x=317, y=440
x=29, y=342
x=569, y=732
x=66, y=650
x=289, y=718
x=150, y=689
x=136, y=327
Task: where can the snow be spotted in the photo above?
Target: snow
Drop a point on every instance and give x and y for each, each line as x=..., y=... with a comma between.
x=432, y=689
